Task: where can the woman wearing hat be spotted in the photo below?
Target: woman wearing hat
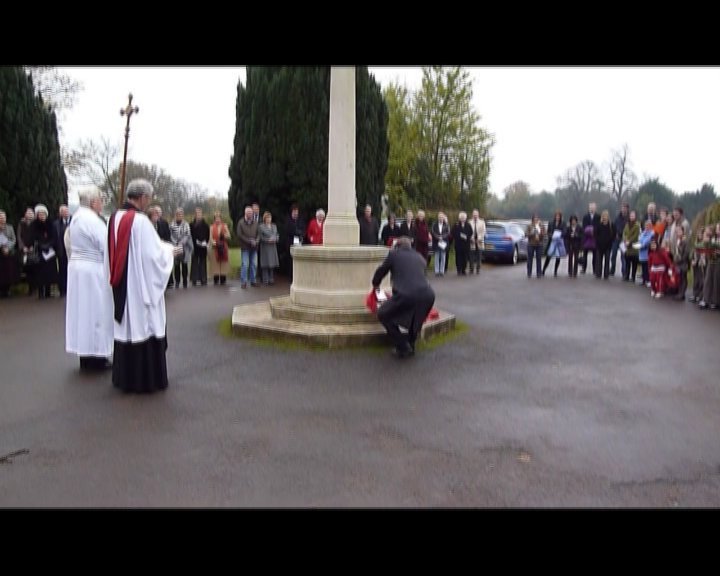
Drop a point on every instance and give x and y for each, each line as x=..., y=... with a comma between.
x=44, y=237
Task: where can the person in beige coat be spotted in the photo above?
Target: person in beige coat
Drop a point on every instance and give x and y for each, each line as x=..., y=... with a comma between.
x=219, y=250
x=477, y=241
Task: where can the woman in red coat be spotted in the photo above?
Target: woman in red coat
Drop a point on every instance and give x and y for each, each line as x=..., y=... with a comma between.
x=660, y=265
x=315, y=228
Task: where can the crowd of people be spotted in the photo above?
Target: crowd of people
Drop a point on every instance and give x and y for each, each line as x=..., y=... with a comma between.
x=125, y=266
x=656, y=251
x=37, y=251
x=467, y=236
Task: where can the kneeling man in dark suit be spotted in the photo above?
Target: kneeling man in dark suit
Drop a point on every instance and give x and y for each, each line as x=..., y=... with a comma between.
x=412, y=298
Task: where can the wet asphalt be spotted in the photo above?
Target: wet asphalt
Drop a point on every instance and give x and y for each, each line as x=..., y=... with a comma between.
x=559, y=393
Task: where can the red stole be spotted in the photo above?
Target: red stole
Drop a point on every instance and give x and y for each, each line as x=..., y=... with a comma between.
x=119, y=246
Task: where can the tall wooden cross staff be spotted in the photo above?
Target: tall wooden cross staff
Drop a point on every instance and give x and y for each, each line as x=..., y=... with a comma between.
x=128, y=111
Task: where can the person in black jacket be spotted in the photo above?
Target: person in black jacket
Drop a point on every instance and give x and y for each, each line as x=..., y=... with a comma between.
x=369, y=228
x=619, y=225
x=461, y=233
x=162, y=226
x=163, y=230
x=60, y=225
x=604, y=235
x=589, y=223
x=573, y=243
x=200, y=234
x=407, y=228
x=412, y=296
x=294, y=234
x=45, y=240
x=390, y=232
x=553, y=249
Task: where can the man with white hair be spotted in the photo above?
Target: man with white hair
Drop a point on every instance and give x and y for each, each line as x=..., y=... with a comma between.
x=89, y=309
x=461, y=235
x=140, y=265
x=61, y=224
x=248, y=235
x=369, y=228
x=477, y=241
x=315, y=228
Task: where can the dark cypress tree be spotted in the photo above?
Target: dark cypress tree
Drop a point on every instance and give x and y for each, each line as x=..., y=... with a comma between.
x=31, y=169
x=372, y=147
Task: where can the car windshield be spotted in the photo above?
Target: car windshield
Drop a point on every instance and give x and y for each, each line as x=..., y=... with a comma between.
x=494, y=229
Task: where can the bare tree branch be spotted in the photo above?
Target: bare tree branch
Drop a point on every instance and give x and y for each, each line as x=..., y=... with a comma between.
x=59, y=91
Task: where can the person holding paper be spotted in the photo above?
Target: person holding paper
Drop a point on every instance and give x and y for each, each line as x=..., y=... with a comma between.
x=390, y=232
x=618, y=244
x=535, y=233
x=441, y=234
x=44, y=238
x=200, y=234
x=26, y=248
x=555, y=242
x=412, y=296
x=461, y=234
x=181, y=236
x=8, y=268
x=140, y=265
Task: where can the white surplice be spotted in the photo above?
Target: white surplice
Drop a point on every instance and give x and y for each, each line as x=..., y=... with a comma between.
x=150, y=263
x=89, y=305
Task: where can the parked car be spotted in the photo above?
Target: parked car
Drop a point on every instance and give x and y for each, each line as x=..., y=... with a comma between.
x=505, y=241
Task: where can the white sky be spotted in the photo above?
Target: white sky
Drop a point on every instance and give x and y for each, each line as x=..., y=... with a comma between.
x=545, y=120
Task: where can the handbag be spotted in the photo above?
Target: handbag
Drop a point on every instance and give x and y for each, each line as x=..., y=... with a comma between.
x=32, y=257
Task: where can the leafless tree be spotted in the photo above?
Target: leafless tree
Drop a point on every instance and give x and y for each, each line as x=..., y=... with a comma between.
x=622, y=179
x=96, y=163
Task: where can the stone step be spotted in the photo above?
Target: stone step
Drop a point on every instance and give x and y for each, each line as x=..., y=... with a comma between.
x=283, y=309
x=256, y=321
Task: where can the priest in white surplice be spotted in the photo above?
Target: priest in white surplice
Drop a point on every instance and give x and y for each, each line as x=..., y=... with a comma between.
x=140, y=266
x=89, y=309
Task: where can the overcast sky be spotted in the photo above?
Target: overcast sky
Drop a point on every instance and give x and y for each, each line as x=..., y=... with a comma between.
x=545, y=120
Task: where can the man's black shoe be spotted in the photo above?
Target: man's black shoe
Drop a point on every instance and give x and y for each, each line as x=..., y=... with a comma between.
x=404, y=351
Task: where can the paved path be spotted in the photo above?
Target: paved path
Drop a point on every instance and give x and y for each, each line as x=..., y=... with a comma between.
x=561, y=393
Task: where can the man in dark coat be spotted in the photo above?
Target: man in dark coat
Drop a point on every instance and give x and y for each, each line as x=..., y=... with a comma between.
x=60, y=226
x=200, y=233
x=461, y=233
x=369, y=228
x=591, y=219
x=412, y=296
x=294, y=234
x=163, y=230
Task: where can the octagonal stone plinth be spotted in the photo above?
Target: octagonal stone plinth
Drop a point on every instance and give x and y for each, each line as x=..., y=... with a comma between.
x=257, y=321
